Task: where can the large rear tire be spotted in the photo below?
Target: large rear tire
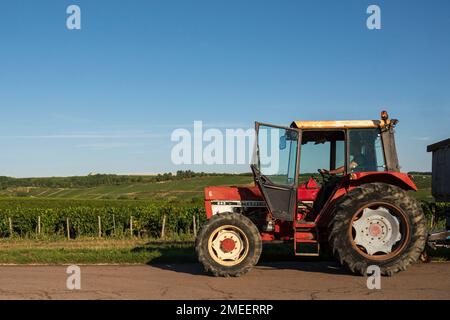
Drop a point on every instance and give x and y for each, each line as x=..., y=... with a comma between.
x=377, y=224
x=228, y=245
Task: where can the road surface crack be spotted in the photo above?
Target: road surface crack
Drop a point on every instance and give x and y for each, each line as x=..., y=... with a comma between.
x=227, y=294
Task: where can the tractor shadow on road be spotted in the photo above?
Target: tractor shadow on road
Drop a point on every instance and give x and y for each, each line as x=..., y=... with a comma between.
x=182, y=258
x=174, y=256
x=307, y=265
x=323, y=267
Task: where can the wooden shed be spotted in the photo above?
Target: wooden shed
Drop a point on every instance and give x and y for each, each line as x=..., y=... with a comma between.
x=440, y=187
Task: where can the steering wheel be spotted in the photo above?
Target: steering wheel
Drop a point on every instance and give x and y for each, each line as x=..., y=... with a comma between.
x=315, y=179
x=326, y=175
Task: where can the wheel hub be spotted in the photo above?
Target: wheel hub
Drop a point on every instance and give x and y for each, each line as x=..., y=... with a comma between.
x=228, y=245
x=377, y=230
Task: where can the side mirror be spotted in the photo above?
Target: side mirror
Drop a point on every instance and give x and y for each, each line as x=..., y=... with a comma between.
x=282, y=142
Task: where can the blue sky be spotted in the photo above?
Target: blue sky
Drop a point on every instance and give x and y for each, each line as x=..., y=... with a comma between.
x=107, y=97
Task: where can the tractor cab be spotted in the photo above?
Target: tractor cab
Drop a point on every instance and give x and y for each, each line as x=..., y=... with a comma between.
x=299, y=168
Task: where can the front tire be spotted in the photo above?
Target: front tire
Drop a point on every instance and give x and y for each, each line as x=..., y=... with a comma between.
x=228, y=245
x=378, y=224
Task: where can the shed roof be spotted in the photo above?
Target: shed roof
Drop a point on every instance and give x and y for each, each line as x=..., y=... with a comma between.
x=438, y=145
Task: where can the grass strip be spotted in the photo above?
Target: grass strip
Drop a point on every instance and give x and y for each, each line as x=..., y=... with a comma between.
x=134, y=252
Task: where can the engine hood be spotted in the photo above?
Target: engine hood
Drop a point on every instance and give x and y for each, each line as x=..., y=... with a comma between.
x=233, y=193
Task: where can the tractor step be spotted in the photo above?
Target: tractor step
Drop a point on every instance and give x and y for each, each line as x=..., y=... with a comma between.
x=307, y=248
x=305, y=239
x=304, y=224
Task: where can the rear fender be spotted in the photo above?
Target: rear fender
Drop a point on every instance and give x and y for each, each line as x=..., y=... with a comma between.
x=401, y=180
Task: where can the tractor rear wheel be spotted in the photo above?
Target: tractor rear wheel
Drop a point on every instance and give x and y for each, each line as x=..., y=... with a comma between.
x=228, y=245
x=377, y=224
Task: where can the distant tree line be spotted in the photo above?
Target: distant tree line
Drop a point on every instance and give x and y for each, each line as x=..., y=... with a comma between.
x=427, y=173
x=94, y=180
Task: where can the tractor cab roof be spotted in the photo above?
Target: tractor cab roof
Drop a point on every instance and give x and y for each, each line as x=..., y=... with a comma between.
x=346, y=124
x=342, y=124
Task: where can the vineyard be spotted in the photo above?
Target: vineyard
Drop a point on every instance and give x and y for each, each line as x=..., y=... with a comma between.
x=32, y=217
x=28, y=218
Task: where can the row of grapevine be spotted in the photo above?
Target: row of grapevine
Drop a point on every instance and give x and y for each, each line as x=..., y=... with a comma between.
x=91, y=219
x=435, y=212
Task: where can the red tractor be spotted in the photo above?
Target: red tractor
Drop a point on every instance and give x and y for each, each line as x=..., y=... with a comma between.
x=359, y=208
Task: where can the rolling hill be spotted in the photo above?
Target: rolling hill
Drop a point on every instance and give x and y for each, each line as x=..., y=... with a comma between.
x=184, y=188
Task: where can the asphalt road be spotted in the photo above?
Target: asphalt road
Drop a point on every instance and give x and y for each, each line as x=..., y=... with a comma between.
x=294, y=280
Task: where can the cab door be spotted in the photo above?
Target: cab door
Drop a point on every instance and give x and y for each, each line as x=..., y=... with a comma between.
x=275, y=168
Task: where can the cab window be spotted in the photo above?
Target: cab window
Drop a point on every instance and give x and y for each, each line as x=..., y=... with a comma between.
x=322, y=150
x=365, y=150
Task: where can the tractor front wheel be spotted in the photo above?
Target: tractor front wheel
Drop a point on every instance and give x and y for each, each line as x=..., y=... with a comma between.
x=378, y=224
x=228, y=245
